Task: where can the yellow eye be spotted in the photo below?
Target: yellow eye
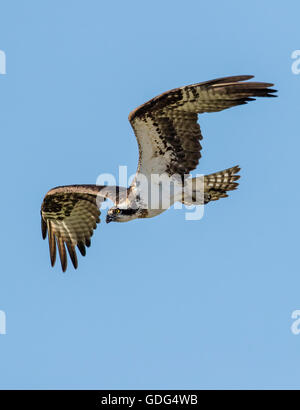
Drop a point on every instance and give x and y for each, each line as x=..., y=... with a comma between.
x=118, y=211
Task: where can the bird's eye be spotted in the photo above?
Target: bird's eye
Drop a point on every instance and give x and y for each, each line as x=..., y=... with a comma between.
x=118, y=211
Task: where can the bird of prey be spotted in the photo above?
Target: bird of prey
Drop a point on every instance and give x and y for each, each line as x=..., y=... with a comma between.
x=168, y=137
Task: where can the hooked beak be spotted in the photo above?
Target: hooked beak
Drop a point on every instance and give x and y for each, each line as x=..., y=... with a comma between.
x=109, y=219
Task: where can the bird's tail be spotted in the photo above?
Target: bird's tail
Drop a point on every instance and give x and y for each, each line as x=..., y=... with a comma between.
x=201, y=190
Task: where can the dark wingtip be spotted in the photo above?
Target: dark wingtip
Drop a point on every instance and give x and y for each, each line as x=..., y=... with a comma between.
x=64, y=264
x=62, y=253
x=44, y=228
x=81, y=248
x=244, y=77
x=72, y=254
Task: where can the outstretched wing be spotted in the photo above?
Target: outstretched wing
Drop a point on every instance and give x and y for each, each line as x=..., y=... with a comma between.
x=166, y=127
x=70, y=214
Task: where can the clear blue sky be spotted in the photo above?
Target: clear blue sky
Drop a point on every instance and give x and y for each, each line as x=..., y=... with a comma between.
x=160, y=303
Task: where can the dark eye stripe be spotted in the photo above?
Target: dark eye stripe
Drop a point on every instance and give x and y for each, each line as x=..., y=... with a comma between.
x=128, y=211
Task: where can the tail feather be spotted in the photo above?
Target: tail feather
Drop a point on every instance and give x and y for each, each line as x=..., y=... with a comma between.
x=216, y=185
x=210, y=187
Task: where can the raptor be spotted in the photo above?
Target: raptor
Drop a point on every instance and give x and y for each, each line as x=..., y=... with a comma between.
x=168, y=137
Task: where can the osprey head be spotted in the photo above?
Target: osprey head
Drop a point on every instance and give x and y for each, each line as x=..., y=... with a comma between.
x=116, y=214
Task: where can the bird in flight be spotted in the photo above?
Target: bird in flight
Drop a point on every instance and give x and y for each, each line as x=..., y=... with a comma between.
x=168, y=137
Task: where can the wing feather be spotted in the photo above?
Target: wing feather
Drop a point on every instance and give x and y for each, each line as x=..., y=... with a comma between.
x=62, y=253
x=70, y=215
x=72, y=253
x=52, y=245
x=81, y=248
x=166, y=127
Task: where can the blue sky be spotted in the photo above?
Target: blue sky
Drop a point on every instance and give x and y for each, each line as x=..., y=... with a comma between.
x=160, y=303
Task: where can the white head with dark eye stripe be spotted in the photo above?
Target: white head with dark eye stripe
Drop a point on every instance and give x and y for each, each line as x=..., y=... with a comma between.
x=116, y=214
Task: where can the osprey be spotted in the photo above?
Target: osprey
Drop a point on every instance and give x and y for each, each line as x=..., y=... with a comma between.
x=168, y=138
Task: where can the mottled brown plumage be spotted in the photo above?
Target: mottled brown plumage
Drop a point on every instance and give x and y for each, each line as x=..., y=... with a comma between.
x=71, y=219
x=169, y=121
x=70, y=214
x=168, y=137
